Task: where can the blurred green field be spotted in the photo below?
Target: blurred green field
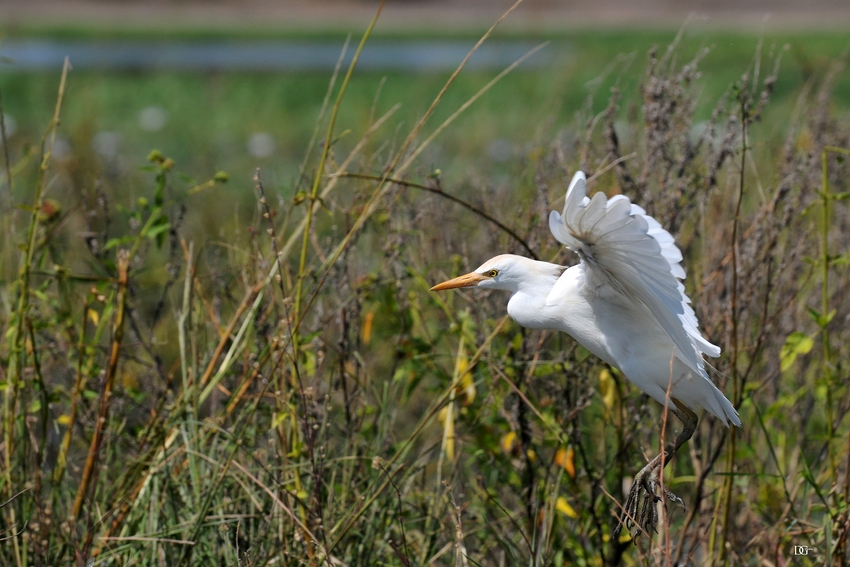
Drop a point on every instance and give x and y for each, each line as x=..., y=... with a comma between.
x=212, y=116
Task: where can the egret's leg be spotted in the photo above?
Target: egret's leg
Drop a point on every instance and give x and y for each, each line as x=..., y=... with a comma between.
x=640, y=511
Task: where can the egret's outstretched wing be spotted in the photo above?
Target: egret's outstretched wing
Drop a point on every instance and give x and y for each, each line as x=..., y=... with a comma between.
x=625, y=249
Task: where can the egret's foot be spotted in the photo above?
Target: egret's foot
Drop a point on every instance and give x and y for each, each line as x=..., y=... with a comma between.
x=640, y=512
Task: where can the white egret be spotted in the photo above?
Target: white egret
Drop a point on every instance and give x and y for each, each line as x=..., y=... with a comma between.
x=625, y=303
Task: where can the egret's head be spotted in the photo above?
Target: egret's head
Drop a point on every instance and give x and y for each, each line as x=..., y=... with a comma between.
x=506, y=272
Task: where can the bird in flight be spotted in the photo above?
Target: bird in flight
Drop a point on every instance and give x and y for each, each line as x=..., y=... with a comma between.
x=625, y=303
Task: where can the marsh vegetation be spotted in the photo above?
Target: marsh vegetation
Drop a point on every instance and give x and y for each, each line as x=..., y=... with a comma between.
x=192, y=377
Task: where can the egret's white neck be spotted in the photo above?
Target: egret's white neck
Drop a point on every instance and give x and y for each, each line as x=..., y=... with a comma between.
x=527, y=305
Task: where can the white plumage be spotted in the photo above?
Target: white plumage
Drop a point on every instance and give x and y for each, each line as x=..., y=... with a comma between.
x=624, y=302
x=630, y=261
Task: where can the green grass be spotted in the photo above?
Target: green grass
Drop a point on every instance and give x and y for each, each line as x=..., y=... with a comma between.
x=212, y=115
x=342, y=413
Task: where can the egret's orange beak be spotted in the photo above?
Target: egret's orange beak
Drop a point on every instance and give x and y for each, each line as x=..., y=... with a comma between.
x=471, y=279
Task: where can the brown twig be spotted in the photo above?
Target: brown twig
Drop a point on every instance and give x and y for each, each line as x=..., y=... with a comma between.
x=106, y=395
x=14, y=496
x=247, y=301
x=450, y=197
x=79, y=384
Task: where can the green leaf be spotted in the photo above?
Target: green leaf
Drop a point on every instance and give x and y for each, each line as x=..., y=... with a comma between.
x=187, y=179
x=309, y=361
x=113, y=242
x=840, y=260
x=402, y=372
x=159, y=190
x=158, y=228
x=824, y=321
x=796, y=344
x=278, y=418
x=820, y=319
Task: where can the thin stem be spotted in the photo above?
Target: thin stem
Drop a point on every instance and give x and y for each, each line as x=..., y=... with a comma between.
x=826, y=198
x=826, y=358
x=106, y=395
x=79, y=383
x=190, y=406
x=16, y=355
x=726, y=493
x=314, y=191
x=441, y=193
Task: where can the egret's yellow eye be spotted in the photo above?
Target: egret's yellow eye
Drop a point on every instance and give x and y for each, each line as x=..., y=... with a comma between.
x=493, y=273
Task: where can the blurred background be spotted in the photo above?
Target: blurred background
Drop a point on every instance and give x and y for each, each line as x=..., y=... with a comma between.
x=237, y=84
x=711, y=114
